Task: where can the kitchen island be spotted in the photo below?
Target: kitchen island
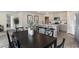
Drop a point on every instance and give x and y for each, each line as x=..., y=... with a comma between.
x=53, y=26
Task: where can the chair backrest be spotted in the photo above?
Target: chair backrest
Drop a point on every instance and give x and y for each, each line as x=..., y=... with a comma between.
x=15, y=42
x=20, y=37
x=47, y=31
x=37, y=28
x=62, y=44
x=25, y=28
x=50, y=32
x=41, y=30
x=20, y=28
x=10, y=44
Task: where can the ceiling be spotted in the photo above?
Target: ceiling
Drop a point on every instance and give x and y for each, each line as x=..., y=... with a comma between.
x=45, y=12
x=35, y=12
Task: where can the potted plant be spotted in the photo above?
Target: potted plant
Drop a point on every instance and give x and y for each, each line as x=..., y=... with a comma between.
x=16, y=21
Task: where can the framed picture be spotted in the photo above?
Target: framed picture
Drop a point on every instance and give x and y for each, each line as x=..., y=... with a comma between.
x=29, y=18
x=36, y=19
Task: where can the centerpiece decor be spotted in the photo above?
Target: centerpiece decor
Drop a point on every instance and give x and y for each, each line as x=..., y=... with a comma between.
x=31, y=27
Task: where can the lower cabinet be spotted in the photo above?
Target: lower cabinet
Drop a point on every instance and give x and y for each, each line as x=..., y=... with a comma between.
x=63, y=27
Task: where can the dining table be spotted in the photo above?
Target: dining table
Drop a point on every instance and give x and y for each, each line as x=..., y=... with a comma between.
x=36, y=40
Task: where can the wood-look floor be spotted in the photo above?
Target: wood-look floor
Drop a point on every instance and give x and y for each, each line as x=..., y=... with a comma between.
x=70, y=40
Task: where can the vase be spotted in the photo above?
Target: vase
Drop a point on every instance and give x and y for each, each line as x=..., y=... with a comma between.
x=30, y=31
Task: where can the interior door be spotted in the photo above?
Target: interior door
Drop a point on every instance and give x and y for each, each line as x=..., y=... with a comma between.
x=46, y=20
x=10, y=22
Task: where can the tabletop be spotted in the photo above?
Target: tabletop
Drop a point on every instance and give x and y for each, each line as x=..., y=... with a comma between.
x=37, y=40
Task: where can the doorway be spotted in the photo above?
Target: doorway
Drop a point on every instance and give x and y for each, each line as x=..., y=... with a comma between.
x=46, y=20
x=10, y=22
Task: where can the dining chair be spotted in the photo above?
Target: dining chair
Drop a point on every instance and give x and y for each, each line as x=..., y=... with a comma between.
x=9, y=40
x=54, y=44
x=61, y=45
x=37, y=28
x=20, y=37
x=26, y=28
x=15, y=42
x=50, y=32
x=20, y=29
x=41, y=30
x=47, y=31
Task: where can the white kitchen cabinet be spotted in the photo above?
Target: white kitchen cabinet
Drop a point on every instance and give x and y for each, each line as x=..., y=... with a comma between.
x=63, y=27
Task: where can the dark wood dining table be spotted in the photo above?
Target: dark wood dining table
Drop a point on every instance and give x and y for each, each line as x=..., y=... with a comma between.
x=37, y=40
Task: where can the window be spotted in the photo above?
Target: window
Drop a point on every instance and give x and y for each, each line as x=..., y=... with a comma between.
x=29, y=19
x=36, y=19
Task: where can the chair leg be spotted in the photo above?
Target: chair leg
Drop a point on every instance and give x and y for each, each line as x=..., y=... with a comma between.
x=55, y=43
x=51, y=46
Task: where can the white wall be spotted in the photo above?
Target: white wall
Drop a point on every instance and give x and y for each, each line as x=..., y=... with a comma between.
x=71, y=19
x=3, y=20
x=48, y=15
x=33, y=14
x=62, y=15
